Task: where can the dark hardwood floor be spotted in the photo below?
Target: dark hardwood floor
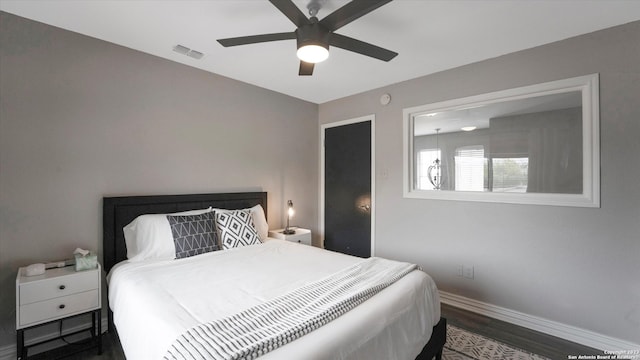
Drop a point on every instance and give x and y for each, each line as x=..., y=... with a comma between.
x=516, y=336
x=111, y=350
x=525, y=339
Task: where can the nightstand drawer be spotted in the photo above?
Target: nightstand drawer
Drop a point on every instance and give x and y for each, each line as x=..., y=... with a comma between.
x=59, y=307
x=300, y=236
x=45, y=289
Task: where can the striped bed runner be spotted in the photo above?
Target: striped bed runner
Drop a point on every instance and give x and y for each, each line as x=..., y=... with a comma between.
x=265, y=327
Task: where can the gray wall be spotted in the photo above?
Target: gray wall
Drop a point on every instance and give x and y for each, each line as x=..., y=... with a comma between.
x=576, y=266
x=81, y=119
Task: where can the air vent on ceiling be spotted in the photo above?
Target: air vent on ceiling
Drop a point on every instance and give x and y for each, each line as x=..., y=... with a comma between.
x=195, y=54
x=189, y=52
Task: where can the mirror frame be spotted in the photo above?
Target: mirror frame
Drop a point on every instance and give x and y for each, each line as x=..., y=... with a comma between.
x=588, y=85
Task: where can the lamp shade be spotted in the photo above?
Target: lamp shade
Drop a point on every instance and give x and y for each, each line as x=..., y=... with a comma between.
x=290, y=210
x=313, y=53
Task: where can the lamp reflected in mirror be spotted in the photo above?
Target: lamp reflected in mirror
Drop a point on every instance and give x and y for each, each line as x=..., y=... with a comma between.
x=434, y=171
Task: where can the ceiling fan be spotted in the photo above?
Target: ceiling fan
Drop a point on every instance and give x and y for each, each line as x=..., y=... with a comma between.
x=315, y=36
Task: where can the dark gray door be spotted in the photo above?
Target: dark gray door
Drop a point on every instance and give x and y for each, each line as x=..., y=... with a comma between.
x=347, y=189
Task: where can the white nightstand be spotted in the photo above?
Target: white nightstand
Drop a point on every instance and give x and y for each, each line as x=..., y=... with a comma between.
x=58, y=294
x=302, y=236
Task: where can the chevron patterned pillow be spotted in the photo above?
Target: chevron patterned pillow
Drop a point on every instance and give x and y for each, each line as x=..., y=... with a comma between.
x=193, y=234
x=236, y=229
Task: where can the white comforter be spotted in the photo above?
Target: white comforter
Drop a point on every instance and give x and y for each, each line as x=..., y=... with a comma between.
x=155, y=302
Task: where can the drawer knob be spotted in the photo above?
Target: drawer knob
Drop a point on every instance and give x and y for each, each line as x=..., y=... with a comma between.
x=61, y=306
x=62, y=287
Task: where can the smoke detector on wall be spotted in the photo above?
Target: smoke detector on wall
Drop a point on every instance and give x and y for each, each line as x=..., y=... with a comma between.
x=385, y=99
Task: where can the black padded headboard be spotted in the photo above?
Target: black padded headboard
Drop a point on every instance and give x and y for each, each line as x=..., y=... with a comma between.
x=119, y=211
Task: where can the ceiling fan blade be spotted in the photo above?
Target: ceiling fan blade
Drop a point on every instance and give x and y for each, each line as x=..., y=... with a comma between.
x=350, y=12
x=306, y=69
x=290, y=10
x=361, y=47
x=244, y=40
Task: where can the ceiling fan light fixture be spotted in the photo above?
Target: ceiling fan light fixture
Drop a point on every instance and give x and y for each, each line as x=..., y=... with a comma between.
x=313, y=42
x=314, y=37
x=313, y=53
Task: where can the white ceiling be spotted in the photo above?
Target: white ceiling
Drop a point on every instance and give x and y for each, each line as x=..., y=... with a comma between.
x=429, y=35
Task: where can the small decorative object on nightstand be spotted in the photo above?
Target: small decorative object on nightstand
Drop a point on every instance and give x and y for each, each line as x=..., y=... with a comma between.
x=302, y=236
x=55, y=295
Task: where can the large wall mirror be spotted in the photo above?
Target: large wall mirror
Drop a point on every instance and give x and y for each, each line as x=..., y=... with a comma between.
x=537, y=144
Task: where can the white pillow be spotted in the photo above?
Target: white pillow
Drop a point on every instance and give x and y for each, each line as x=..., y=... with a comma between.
x=236, y=228
x=149, y=236
x=259, y=221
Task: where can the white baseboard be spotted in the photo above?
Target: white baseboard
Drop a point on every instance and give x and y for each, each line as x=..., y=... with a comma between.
x=9, y=352
x=563, y=331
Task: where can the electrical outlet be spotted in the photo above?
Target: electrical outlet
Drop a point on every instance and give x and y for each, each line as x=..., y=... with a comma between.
x=467, y=271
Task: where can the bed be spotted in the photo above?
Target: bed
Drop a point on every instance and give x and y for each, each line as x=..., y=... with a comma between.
x=151, y=303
